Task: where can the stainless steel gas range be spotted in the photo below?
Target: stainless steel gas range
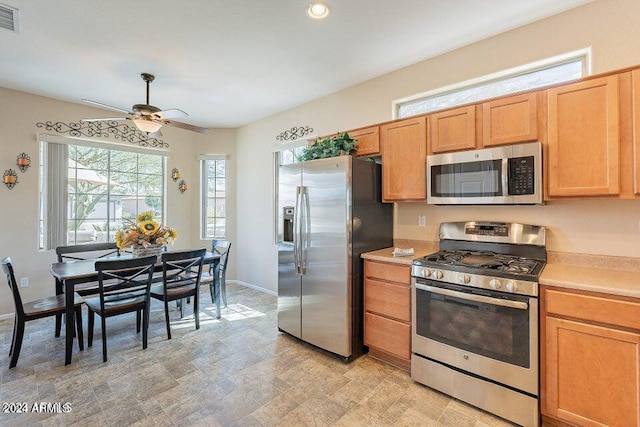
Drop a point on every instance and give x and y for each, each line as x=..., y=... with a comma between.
x=475, y=317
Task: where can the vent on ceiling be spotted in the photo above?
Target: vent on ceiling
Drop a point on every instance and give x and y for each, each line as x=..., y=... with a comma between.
x=8, y=18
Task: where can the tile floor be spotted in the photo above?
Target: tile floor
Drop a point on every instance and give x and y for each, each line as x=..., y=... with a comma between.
x=238, y=370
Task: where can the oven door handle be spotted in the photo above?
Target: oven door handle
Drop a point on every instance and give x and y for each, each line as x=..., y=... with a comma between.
x=476, y=298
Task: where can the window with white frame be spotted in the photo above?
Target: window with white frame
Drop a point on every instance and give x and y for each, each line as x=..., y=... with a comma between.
x=214, y=202
x=554, y=70
x=86, y=192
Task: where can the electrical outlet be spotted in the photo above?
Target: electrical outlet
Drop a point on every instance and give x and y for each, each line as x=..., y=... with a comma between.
x=422, y=221
x=24, y=282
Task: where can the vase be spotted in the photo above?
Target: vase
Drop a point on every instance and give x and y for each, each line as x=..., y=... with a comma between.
x=141, y=251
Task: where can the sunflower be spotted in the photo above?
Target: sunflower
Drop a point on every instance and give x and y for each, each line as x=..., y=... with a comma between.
x=148, y=227
x=144, y=216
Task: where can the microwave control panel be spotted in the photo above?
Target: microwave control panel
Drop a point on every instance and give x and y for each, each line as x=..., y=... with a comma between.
x=521, y=176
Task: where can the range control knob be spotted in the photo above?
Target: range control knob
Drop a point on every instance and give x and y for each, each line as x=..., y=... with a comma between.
x=464, y=278
x=426, y=272
x=438, y=274
x=495, y=284
x=512, y=286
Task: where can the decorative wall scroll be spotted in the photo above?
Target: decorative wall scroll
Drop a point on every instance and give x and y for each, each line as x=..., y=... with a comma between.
x=294, y=133
x=104, y=129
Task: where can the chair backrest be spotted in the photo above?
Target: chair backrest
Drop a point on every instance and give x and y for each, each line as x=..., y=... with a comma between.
x=88, y=251
x=120, y=278
x=222, y=247
x=7, y=268
x=182, y=268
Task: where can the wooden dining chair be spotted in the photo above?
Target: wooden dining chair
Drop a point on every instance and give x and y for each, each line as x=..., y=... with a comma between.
x=81, y=253
x=33, y=310
x=123, y=287
x=181, y=272
x=219, y=271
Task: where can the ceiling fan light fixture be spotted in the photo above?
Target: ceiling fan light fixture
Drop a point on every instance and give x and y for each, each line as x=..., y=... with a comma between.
x=318, y=10
x=147, y=125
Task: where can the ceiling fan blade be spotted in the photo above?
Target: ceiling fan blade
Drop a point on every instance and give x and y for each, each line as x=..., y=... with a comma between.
x=104, y=119
x=110, y=107
x=172, y=113
x=185, y=126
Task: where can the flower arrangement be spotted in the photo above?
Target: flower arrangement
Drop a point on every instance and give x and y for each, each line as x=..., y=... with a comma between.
x=144, y=232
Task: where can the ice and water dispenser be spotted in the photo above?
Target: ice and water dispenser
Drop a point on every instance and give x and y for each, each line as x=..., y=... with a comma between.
x=287, y=218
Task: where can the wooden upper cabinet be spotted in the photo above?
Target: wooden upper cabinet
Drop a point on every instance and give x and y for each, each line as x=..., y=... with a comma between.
x=404, y=158
x=635, y=76
x=452, y=130
x=583, y=138
x=510, y=120
x=368, y=141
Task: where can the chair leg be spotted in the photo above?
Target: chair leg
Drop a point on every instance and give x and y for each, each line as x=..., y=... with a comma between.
x=181, y=308
x=79, y=328
x=223, y=291
x=58, y=324
x=138, y=316
x=145, y=326
x=104, y=338
x=17, y=345
x=13, y=336
x=166, y=318
x=196, y=309
x=212, y=286
x=90, y=329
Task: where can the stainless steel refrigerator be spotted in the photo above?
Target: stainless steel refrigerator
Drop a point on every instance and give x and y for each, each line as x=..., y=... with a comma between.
x=330, y=212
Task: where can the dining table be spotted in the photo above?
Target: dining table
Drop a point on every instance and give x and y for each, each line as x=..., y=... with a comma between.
x=68, y=274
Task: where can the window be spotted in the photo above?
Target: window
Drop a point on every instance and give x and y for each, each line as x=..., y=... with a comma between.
x=87, y=192
x=214, y=212
x=551, y=71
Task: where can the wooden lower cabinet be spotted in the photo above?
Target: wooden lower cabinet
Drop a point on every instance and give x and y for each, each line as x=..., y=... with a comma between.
x=590, y=355
x=387, y=318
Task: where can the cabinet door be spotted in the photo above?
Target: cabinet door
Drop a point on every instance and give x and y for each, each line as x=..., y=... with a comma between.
x=635, y=75
x=592, y=374
x=583, y=139
x=368, y=141
x=453, y=130
x=510, y=120
x=404, y=160
x=388, y=335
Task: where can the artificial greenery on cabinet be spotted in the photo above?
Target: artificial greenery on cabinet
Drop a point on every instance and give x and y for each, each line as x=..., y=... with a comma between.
x=331, y=146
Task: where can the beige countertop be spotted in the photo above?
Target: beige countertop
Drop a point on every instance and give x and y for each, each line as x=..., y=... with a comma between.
x=595, y=273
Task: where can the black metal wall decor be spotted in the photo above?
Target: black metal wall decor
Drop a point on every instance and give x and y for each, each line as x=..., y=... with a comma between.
x=182, y=186
x=104, y=129
x=294, y=133
x=23, y=162
x=10, y=178
x=175, y=174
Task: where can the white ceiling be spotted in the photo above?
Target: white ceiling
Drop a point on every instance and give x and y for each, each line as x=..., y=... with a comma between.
x=231, y=62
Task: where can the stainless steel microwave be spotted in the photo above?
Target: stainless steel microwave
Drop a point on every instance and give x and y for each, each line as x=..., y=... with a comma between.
x=507, y=175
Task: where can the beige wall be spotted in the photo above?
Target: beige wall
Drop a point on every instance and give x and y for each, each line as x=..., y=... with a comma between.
x=609, y=27
x=19, y=113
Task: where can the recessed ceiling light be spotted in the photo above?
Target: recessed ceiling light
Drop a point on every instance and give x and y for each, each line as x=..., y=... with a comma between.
x=318, y=10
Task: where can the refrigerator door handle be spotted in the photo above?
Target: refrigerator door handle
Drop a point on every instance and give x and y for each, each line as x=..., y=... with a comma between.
x=296, y=232
x=307, y=231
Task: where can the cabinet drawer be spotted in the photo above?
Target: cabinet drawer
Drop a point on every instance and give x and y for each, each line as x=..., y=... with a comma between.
x=387, y=299
x=385, y=271
x=593, y=308
x=389, y=335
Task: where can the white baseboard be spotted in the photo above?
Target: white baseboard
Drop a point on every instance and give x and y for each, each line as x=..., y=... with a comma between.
x=7, y=316
x=257, y=288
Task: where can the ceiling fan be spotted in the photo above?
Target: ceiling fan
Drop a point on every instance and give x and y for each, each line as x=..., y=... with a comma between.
x=146, y=117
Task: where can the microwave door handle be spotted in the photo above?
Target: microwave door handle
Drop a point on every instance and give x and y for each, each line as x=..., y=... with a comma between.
x=505, y=176
x=472, y=297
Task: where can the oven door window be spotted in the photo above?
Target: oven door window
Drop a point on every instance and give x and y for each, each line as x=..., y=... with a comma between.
x=472, y=179
x=494, y=331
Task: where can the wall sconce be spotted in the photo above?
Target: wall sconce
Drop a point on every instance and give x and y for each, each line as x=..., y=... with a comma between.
x=10, y=178
x=182, y=186
x=175, y=174
x=23, y=161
